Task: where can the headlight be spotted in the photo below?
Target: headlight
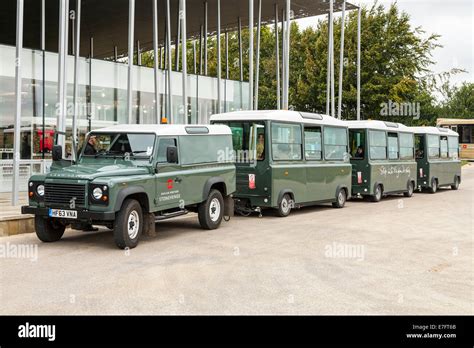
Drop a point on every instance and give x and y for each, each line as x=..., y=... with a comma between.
x=97, y=193
x=40, y=190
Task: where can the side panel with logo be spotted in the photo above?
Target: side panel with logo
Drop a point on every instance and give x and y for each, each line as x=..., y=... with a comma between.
x=167, y=180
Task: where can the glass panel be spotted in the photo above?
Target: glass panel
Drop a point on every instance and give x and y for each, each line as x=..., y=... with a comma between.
x=312, y=143
x=196, y=149
x=453, y=147
x=162, y=146
x=433, y=146
x=286, y=141
x=392, y=146
x=378, y=145
x=283, y=133
x=444, y=147
x=335, y=143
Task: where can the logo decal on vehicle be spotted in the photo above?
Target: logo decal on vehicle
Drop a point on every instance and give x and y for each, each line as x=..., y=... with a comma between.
x=170, y=184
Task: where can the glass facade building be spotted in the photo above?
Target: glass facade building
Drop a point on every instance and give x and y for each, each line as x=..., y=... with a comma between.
x=102, y=102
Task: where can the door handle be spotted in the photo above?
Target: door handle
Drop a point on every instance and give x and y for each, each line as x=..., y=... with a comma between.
x=178, y=180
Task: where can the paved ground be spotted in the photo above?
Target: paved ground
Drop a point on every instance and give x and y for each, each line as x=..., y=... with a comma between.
x=400, y=256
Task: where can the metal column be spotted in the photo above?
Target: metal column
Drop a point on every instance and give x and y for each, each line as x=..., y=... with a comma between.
x=219, y=66
x=194, y=58
x=226, y=69
x=341, y=61
x=283, y=57
x=241, y=68
x=358, y=61
x=200, y=50
x=277, y=59
x=61, y=63
x=76, y=78
x=17, y=129
x=328, y=71
x=257, y=64
x=251, y=54
x=139, y=53
x=331, y=38
x=156, y=61
x=205, y=38
x=178, y=37
x=287, y=54
x=131, y=32
x=169, y=115
x=43, y=89
x=184, y=63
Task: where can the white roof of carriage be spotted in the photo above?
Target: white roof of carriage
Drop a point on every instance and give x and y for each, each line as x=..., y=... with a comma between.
x=165, y=129
x=278, y=115
x=434, y=130
x=379, y=125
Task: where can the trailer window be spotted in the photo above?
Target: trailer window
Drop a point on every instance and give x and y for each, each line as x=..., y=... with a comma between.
x=392, y=146
x=453, y=147
x=406, y=145
x=378, y=145
x=335, y=143
x=286, y=141
x=433, y=146
x=444, y=147
x=357, y=143
x=312, y=143
x=419, y=146
x=243, y=141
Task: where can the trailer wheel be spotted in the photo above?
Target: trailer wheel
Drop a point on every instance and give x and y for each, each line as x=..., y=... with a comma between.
x=341, y=198
x=128, y=224
x=434, y=186
x=410, y=189
x=377, y=196
x=284, y=208
x=211, y=211
x=48, y=230
x=455, y=186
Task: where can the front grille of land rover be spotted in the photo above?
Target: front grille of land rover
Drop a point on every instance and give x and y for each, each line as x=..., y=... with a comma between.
x=63, y=194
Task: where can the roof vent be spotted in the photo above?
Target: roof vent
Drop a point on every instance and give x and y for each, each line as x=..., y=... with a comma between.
x=311, y=116
x=391, y=124
x=197, y=130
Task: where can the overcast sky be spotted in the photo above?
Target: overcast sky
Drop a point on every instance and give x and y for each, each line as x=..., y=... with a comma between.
x=452, y=19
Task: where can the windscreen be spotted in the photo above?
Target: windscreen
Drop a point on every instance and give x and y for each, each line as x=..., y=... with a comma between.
x=125, y=145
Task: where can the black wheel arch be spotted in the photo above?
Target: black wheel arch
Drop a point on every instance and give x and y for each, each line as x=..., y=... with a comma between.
x=135, y=192
x=217, y=183
x=343, y=187
x=284, y=192
x=376, y=184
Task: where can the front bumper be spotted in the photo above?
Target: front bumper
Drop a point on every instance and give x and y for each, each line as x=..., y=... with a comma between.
x=83, y=215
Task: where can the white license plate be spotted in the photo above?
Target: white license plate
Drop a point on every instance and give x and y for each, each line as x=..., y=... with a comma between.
x=66, y=214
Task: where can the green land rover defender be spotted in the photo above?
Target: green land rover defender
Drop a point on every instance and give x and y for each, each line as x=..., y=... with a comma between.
x=129, y=177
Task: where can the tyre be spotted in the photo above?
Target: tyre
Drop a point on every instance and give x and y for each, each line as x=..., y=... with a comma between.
x=341, y=198
x=284, y=208
x=434, y=186
x=410, y=189
x=128, y=224
x=48, y=230
x=455, y=186
x=377, y=196
x=211, y=211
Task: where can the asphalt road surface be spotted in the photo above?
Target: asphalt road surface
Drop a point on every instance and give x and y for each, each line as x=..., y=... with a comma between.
x=399, y=256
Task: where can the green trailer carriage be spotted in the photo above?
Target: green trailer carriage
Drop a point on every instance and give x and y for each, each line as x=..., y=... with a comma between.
x=437, y=156
x=382, y=157
x=129, y=177
x=288, y=159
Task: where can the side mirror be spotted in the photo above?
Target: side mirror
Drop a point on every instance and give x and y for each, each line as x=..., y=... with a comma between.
x=172, y=154
x=57, y=153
